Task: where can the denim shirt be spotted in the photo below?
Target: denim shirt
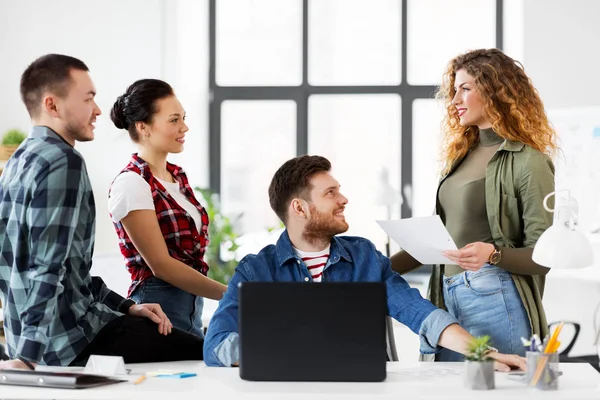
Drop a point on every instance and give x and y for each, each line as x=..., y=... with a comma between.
x=351, y=259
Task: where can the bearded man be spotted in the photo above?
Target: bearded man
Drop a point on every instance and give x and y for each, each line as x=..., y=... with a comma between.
x=307, y=198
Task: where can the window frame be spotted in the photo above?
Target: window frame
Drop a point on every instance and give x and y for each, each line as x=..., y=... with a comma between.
x=300, y=94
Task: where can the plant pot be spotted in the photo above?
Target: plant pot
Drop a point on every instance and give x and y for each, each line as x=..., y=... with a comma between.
x=7, y=150
x=479, y=375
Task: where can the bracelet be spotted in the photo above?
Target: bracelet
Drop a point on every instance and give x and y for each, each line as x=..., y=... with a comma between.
x=27, y=363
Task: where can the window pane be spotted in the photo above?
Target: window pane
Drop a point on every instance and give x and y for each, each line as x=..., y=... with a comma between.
x=360, y=135
x=434, y=37
x=427, y=116
x=256, y=138
x=354, y=42
x=259, y=42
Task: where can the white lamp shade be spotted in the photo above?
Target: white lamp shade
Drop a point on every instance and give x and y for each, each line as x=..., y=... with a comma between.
x=562, y=247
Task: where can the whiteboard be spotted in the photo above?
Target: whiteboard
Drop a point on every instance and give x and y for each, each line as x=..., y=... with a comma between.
x=578, y=162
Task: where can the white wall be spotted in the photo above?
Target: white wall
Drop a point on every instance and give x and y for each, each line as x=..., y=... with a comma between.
x=560, y=54
x=561, y=50
x=120, y=41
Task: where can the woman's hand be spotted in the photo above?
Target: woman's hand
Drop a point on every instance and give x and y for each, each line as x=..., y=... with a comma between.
x=471, y=257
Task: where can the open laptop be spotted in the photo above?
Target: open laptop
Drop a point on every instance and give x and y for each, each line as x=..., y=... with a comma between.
x=312, y=331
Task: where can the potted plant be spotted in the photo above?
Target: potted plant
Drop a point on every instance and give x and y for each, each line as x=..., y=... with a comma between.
x=479, y=367
x=222, y=237
x=10, y=141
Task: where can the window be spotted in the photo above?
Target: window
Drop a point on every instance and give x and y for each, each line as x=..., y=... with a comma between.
x=352, y=80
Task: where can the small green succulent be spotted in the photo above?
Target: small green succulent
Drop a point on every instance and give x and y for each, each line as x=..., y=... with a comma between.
x=479, y=348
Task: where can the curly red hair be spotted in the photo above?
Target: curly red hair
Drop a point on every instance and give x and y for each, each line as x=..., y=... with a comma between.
x=511, y=104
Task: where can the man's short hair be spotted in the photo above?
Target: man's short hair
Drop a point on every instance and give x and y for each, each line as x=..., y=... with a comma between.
x=292, y=180
x=49, y=73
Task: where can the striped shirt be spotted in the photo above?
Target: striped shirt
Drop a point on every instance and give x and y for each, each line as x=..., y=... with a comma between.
x=314, y=261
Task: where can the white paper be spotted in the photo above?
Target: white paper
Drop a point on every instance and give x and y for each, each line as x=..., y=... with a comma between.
x=424, y=238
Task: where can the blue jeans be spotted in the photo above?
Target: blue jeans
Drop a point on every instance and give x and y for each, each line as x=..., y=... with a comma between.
x=183, y=309
x=486, y=302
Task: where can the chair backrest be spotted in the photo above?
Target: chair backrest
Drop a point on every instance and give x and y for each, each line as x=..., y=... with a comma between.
x=390, y=340
x=570, y=328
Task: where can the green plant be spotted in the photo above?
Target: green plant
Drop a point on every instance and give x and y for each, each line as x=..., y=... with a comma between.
x=478, y=349
x=13, y=137
x=222, y=235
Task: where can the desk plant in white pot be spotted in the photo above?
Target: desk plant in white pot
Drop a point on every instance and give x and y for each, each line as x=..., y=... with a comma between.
x=479, y=368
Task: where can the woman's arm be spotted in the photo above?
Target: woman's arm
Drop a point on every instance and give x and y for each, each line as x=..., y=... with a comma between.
x=518, y=261
x=402, y=262
x=144, y=231
x=533, y=183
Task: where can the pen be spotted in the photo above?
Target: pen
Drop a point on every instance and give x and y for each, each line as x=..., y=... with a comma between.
x=139, y=380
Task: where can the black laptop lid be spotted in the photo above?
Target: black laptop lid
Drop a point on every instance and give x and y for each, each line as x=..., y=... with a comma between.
x=312, y=331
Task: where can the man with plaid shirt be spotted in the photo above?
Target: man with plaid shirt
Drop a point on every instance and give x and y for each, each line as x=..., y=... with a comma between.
x=55, y=312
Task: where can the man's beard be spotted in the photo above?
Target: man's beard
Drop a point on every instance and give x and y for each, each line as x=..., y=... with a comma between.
x=77, y=132
x=322, y=227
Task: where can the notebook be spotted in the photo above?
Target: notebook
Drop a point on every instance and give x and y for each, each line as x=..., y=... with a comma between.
x=312, y=331
x=61, y=380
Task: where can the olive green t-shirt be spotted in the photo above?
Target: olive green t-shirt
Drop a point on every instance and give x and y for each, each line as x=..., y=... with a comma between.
x=462, y=197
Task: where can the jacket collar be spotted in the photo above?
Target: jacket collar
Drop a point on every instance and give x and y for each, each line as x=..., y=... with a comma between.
x=507, y=145
x=285, y=251
x=510, y=145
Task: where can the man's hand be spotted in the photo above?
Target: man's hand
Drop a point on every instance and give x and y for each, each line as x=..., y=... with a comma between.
x=504, y=362
x=13, y=364
x=455, y=338
x=154, y=313
x=471, y=257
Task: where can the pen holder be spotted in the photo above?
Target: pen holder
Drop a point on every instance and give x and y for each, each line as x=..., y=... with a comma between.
x=542, y=370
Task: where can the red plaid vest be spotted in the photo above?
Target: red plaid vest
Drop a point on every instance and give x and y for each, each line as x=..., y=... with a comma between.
x=181, y=235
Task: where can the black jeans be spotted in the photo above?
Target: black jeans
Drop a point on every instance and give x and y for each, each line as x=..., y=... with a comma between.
x=137, y=340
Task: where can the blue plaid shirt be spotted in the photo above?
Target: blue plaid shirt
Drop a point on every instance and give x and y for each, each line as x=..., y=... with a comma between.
x=53, y=308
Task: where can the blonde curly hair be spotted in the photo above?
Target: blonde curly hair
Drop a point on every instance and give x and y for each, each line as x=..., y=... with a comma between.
x=511, y=104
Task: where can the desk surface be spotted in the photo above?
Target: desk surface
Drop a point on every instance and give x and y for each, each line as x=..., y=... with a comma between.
x=410, y=381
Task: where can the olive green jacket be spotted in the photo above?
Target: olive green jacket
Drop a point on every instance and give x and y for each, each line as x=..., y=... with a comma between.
x=517, y=179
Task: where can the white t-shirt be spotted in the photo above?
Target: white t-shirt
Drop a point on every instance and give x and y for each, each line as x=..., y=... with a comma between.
x=315, y=262
x=130, y=192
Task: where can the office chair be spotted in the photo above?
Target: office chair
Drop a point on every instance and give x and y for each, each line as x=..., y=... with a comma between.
x=563, y=354
x=390, y=340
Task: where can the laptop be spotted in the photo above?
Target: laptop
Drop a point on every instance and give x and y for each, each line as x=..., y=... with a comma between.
x=61, y=380
x=312, y=331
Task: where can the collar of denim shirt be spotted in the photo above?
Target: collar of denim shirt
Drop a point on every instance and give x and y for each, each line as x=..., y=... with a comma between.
x=285, y=250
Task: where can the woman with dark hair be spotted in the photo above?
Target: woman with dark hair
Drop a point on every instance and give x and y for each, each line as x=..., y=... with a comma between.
x=162, y=228
x=497, y=170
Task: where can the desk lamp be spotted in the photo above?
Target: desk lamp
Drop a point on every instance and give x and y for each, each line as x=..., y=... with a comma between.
x=563, y=245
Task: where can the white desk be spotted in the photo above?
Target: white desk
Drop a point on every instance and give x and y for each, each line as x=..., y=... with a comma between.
x=579, y=381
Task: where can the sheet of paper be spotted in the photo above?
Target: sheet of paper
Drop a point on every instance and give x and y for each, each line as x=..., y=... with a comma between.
x=424, y=238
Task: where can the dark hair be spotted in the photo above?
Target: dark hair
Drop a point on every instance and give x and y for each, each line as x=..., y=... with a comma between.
x=138, y=104
x=292, y=180
x=49, y=73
